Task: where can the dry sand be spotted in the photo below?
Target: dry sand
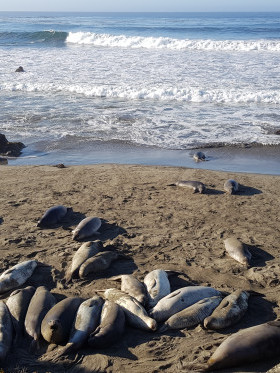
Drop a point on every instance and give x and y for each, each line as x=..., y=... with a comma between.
x=157, y=226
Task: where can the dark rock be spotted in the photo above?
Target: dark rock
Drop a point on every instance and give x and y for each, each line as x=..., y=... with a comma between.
x=277, y=132
x=60, y=165
x=12, y=149
x=19, y=70
x=3, y=160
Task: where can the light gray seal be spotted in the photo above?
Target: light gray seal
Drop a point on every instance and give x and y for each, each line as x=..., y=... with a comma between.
x=111, y=326
x=53, y=216
x=97, y=263
x=196, y=186
x=229, y=312
x=261, y=342
x=6, y=330
x=86, y=228
x=158, y=286
x=231, y=186
x=17, y=304
x=237, y=250
x=180, y=299
x=199, y=156
x=16, y=275
x=132, y=286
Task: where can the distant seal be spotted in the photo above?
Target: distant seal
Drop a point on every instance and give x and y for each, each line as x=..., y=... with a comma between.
x=97, y=263
x=180, y=299
x=231, y=309
x=19, y=69
x=231, y=186
x=199, y=156
x=53, y=216
x=86, y=228
x=196, y=186
x=237, y=250
x=16, y=275
x=6, y=330
x=261, y=342
x=158, y=286
x=85, y=251
x=132, y=286
x=111, y=328
x=57, y=323
x=17, y=304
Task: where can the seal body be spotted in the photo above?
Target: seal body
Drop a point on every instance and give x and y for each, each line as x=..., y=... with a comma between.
x=86, y=228
x=97, y=263
x=231, y=309
x=17, y=304
x=111, y=326
x=196, y=186
x=192, y=315
x=135, y=313
x=199, y=156
x=248, y=345
x=134, y=287
x=180, y=299
x=16, y=275
x=237, y=250
x=85, y=251
x=52, y=216
x=231, y=186
x=6, y=330
x=158, y=286
x=57, y=323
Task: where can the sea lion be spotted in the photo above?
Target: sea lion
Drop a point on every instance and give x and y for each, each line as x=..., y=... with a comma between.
x=17, y=304
x=16, y=275
x=231, y=309
x=196, y=186
x=132, y=286
x=97, y=263
x=192, y=315
x=53, y=216
x=111, y=326
x=57, y=323
x=86, y=228
x=41, y=302
x=231, y=186
x=85, y=251
x=180, y=299
x=199, y=156
x=135, y=313
x=158, y=286
x=237, y=250
x=6, y=330
x=248, y=345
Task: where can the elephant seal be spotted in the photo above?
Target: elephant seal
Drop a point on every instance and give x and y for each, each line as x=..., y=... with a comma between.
x=86, y=228
x=196, y=186
x=237, y=250
x=17, y=304
x=231, y=309
x=16, y=275
x=132, y=286
x=97, y=263
x=199, y=156
x=158, y=286
x=135, y=313
x=85, y=251
x=57, y=323
x=180, y=299
x=248, y=345
x=192, y=315
x=231, y=186
x=53, y=216
x=41, y=302
x=6, y=330
x=111, y=326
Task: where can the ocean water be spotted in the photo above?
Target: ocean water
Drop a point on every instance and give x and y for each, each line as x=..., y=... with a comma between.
x=169, y=81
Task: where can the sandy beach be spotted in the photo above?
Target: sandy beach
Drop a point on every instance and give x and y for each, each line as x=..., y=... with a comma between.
x=155, y=225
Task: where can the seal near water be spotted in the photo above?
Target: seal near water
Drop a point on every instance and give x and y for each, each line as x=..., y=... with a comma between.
x=17, y=304
x=135, y=313
x=57, y=323
x=53, y=216
x=111, y=326
x=180, y=299
x=132, y=286
x=157, y=285
x=231, y=309
x=16, y=275
x=196, y=186
x=231, y=186
x=97, y=263
x=85, y=251
x=86, y=228
x=248, y=345
x=41, y=302
x=6, y=330
x=199, y=156
x=237, y=250
x=192, y=315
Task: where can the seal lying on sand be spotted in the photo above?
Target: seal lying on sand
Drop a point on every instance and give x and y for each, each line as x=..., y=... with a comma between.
x=237, y=250
x=231, y=186
x=16, y=275
x=158, y=286
x=97, y=263
x=6, y=330
x=133, y=287
x=86, y=228
x=196, y=186
x=53, y=216
x=248, y=345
